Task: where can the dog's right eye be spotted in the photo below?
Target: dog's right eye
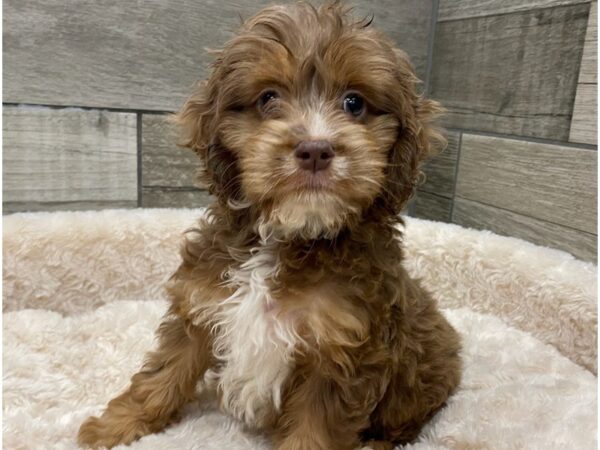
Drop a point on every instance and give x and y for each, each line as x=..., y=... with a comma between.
x=267, y=97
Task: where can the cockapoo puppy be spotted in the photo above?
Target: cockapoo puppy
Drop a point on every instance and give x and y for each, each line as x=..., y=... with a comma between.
x=291, y=301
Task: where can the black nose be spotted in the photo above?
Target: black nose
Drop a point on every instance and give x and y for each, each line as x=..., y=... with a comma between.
x=314, y=155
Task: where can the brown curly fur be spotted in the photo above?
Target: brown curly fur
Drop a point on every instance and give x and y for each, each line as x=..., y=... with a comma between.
x=374, y=358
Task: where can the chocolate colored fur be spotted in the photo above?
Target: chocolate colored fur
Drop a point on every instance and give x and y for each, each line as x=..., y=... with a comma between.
x=291, y=300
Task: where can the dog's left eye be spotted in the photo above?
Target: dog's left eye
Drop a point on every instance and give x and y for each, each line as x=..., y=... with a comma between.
x=354, y=104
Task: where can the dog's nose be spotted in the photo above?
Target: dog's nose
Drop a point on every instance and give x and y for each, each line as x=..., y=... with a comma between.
x=314, y=155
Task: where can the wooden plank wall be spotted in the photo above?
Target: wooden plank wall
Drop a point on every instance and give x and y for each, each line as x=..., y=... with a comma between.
x=168, y=171
x=130, y=63
x=146, y=55
x=88, y=88
x=519, y=80
x=68, y=159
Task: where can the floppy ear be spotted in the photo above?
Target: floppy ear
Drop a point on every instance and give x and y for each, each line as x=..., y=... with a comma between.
x=417, y=139
x=198, y=122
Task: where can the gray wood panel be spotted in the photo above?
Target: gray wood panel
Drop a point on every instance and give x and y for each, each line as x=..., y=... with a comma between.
x=440, y=170
x=174, y=198
x=145, y=55
x=549, y=182
x=431, y=207
x=407, y=22
x=510, y=74
x=585, y=111
x=584, y=125
x=163, y=162
x=463, y=9
x=475, y=215
x=68, y=158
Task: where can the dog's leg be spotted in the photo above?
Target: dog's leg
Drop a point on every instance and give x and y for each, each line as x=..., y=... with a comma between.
x=409, y=404
x=320, y=414
x=157, y=393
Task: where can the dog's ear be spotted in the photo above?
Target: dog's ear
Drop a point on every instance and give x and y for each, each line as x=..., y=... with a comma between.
x=197, y=122
x=417, y=139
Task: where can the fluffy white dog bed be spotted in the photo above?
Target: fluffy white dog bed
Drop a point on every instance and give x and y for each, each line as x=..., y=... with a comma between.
x=75, y=330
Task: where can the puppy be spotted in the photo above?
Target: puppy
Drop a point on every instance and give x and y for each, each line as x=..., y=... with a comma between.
x=291, y=302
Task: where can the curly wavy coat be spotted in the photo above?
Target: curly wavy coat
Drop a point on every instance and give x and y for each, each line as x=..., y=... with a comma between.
x=291, y=301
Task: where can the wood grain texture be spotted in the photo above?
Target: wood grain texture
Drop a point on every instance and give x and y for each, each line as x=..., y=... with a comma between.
x=431, y=207
x=440, y=170
x=174, y=198
x=163, y=162
x=145, y=55
x=475, y=215
x=548, y=182
x=584, y=125
x=510, y=74
x=464, y=9
x=68, y=158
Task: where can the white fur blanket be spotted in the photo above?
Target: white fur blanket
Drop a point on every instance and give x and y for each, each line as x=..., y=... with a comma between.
x=530, y=358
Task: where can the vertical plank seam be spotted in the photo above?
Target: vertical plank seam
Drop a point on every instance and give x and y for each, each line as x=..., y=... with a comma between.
x=410, y=210
x=429, y=66
x=431, y=39
x=587, y=27
x=139, y=159
x=458, y=152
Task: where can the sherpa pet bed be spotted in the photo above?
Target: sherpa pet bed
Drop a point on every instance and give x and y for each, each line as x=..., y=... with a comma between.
x=83, y=293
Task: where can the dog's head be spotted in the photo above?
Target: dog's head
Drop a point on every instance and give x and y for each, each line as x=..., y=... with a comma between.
x=311, y=118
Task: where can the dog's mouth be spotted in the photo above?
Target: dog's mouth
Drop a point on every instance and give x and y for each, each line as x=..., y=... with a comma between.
x=313, y=181
x=307, y=182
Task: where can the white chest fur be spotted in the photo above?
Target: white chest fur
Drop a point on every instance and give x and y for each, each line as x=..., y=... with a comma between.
x=253, y=344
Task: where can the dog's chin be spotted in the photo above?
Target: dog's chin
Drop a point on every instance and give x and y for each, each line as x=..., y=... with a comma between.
x=306, y=215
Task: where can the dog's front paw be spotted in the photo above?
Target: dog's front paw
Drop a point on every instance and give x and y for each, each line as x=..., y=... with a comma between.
x=93, y=434
x=104, y=432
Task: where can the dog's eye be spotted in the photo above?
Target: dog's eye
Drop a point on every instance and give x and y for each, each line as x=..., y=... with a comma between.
x=354, y=104
x=266, y=97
